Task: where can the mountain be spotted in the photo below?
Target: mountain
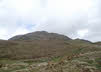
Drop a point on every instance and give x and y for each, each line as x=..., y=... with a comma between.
x=79, y=41
x=40, y=35
x=34, y=45
x=41, y=44
x=97, y=43
x=49, y=52
x=38, y=44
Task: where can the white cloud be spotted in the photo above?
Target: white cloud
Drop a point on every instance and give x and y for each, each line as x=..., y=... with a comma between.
x=20, y=31
x=82, y=33
x=3, y=33
x=69, y=17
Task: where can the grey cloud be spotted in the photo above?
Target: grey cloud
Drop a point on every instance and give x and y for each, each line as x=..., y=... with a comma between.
x=51, y=15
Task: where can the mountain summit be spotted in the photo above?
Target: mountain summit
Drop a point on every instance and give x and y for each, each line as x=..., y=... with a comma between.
x=40, y=35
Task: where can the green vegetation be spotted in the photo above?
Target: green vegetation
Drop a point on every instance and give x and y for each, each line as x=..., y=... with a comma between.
x=49, y=52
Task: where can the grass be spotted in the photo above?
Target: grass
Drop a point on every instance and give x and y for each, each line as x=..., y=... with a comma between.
x=45, y=56
x=74, y=65
x=98, y=63
x=56, y=59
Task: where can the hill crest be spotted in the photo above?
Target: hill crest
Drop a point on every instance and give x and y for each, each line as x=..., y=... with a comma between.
x=40, y=35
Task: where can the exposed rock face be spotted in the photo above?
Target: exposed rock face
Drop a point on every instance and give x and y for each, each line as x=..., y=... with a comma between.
x=40, y=35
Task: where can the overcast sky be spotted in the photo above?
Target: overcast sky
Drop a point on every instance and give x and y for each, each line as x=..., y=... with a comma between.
x=74, y=18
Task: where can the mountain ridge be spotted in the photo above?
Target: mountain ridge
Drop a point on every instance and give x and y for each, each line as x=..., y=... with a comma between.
x=40, y=35
x=40, y=44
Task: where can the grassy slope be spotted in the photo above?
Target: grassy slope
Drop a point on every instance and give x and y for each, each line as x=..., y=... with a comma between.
x=49, y=56
x=34, y=49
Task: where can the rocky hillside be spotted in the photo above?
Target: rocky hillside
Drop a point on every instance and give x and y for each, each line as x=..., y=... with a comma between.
x=49, y=52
